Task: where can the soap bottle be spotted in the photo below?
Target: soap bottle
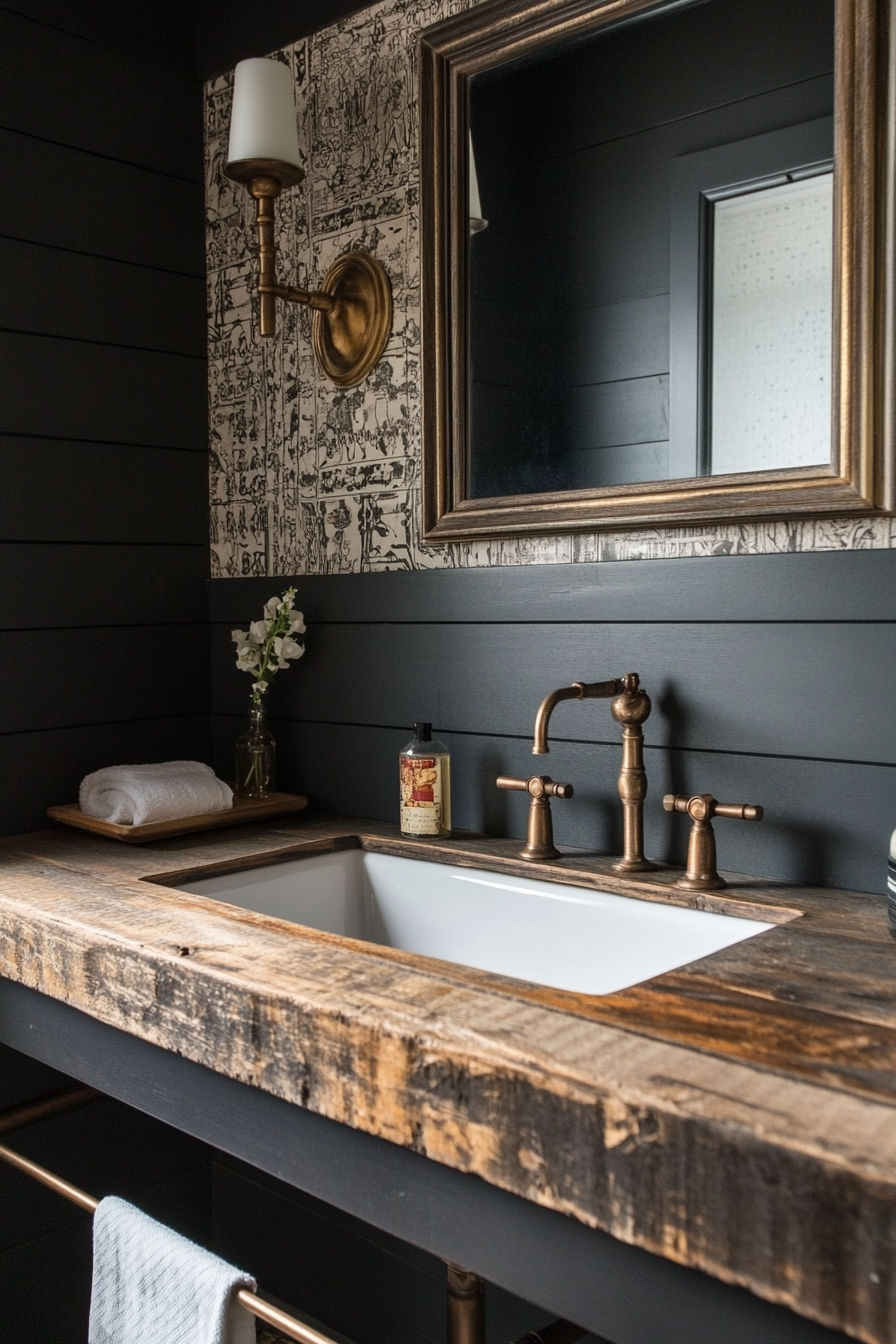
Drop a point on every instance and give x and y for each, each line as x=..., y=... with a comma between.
x=425, y=775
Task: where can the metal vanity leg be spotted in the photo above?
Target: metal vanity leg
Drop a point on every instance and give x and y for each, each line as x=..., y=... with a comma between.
x=466, y=1306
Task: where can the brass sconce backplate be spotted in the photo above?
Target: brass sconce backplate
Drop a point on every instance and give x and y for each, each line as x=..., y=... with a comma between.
x=349, y=339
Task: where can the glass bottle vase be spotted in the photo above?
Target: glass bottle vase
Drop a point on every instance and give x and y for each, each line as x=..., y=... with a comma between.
x=255, y=756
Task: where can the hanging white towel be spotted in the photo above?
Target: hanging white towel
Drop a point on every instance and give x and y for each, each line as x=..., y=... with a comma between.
x=153, y=1286
x=135, y=794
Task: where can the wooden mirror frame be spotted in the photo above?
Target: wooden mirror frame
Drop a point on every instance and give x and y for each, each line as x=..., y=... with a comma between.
x=860, y=477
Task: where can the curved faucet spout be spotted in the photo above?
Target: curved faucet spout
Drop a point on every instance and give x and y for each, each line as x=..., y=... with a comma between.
x=579, y=690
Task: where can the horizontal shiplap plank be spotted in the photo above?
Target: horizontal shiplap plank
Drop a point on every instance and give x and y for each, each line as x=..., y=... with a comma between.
x=782, y=690
x=803, y=838
x=606, y=415
x=161, y=32
x=760, y=45
x=57, y=490
x=611, y=202
x=100, y=585
x=59, y=678
x=821, y=586
x=57, y=293
x=40, y=769
x=616, y=341
x=145, y=218
x=619, y=466
x=102, y=392
x=102, y=100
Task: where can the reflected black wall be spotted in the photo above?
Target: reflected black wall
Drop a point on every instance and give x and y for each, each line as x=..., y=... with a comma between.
x=570, y=282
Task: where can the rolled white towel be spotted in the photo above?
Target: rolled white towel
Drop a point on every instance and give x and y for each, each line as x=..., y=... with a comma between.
x=135, y=794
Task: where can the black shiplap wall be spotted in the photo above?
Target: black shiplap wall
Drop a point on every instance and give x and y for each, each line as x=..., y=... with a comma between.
x=771, y=679
x=103, y=438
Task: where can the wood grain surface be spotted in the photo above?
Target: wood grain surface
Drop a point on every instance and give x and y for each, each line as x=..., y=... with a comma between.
x=243, y=810
x=737, y=1115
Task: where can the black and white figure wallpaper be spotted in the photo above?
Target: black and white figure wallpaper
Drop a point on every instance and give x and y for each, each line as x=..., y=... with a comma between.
x=307, y=478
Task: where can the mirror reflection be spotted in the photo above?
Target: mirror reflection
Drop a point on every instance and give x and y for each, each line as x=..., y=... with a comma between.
x=651, y=298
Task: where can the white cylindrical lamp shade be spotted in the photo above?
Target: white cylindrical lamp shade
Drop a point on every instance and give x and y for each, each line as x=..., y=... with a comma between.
x=263, y=121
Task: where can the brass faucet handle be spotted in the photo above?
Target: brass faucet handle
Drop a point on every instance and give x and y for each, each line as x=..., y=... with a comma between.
x=537, y=786
x=540, y=831
x=703, y=807
x=701, y=873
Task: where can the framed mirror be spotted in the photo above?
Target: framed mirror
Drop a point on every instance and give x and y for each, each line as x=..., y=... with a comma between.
x=657, y=249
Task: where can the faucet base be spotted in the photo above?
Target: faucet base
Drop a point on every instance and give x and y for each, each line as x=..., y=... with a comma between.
x=634, y=865
x=714, y=883
x=534, y=853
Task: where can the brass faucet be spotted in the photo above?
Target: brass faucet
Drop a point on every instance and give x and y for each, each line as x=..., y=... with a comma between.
x=630, y=707
x=701, y=873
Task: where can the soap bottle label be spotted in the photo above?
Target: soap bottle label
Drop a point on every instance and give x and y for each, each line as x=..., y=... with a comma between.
x=422, y=809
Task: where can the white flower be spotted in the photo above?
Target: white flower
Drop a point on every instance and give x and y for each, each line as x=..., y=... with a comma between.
x=268, y=645
x=286, y=648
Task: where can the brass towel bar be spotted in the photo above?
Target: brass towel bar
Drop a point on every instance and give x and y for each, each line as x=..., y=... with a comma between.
x=67, y=1099
x=466, y=1311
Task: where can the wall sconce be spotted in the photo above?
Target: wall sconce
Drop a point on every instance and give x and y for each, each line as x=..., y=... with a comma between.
x=353, y=311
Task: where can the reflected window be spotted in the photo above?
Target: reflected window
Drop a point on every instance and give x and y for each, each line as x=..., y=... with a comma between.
x=772, y=277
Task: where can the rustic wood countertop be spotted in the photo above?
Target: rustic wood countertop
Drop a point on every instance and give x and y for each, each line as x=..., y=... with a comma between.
x=737, y=1115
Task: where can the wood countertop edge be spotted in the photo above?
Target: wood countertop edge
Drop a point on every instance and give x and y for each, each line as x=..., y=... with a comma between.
x=689, y=1154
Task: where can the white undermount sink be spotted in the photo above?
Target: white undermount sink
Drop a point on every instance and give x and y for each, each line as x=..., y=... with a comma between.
x=569, y=937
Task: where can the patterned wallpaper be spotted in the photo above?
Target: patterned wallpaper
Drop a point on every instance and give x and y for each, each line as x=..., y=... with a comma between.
x=307, y=478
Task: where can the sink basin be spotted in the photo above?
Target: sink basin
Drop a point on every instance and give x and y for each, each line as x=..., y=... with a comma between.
x=568, y=937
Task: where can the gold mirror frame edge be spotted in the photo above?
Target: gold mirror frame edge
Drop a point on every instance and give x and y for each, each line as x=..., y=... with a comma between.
x=860, y=478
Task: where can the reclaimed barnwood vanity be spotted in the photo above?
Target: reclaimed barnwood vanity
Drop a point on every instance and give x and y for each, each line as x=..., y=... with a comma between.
x=736, y=1116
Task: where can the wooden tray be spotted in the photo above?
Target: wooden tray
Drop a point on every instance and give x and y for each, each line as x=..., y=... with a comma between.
x=243, y=810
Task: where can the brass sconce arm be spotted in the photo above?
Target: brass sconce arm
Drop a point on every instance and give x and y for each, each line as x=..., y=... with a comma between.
x=353, y=310
x=313, y=298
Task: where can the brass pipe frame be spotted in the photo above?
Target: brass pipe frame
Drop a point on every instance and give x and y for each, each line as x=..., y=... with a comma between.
x=557, y=1332
x=51, y=1103
x=290, y=1327
x=466, y=1306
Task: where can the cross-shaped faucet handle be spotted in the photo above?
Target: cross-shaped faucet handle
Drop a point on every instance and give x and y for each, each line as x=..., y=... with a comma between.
x=701, y=873
x=540, y=834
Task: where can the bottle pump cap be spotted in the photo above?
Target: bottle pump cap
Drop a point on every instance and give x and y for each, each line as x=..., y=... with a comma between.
x=423, y=732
